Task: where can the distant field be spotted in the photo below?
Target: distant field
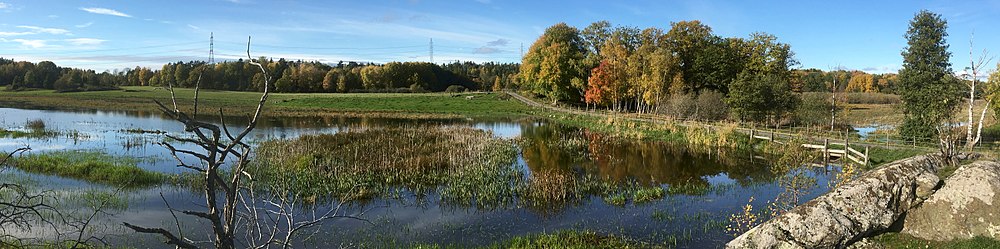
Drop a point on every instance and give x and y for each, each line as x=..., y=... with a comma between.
x=279, y=104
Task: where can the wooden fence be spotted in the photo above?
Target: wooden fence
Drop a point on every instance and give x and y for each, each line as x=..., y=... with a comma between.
x=827, y=148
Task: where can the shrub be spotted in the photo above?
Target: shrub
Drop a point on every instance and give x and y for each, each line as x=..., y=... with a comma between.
x=680, y=106
x=711, y=105
x=454, y=89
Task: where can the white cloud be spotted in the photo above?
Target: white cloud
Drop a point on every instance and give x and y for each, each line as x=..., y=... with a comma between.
x=85, y=25
x=30, y=43
x=38, y=30
x=85, y=41
x=193, y=27
x=4, y=5
x=4, y=33
x=104, y=11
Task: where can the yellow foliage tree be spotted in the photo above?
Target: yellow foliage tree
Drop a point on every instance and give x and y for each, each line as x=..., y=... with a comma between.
x=862, y=82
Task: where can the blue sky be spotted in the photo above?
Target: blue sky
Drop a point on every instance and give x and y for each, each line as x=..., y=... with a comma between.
x=104, y=34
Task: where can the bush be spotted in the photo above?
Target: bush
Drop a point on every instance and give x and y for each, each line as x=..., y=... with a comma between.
x=680, y=106
x=711, y=105
x=417, y=88
x=454, y=89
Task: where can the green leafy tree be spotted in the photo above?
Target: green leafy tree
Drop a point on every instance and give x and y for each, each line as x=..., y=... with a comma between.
x=929, y=92
x=761, y=98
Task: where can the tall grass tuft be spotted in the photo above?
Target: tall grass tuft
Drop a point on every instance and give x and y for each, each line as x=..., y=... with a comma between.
x=35, y=125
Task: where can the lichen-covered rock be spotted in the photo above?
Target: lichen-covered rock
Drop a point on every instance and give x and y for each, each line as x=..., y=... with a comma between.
x=866, y=205
x=968, y=205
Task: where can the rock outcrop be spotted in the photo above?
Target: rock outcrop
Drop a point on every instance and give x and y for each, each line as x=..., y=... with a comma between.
x=968, y=205
x=859, y=208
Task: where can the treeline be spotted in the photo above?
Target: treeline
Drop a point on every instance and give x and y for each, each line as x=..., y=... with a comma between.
x=46, y=75
x=304, y=77
x=627, y=68
x=815, y=80
x=288, y=76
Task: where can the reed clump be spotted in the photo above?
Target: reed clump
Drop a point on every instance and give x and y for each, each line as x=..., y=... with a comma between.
x=466, y=166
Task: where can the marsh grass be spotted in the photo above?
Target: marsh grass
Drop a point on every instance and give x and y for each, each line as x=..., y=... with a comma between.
x=35, y=124
x=91, y=166
x=573, y=239
x=27, y=134
x=466, y=166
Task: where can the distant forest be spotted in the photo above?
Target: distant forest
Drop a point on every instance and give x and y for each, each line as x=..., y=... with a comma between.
x=304, y=77
x=288, y=76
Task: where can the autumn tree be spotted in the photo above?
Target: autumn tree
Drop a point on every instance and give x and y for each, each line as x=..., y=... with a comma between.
x=862, y=82
x=553, y=65
x=598, y=86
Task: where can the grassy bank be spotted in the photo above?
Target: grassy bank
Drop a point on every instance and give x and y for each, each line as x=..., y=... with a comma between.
x=91, y=166
x=901, y=241
x=140, y=99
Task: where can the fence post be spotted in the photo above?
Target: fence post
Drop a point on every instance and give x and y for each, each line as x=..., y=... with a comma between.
x=847, y=147
x=751, y=134
x=826, y=152
x=866, y=156
x=772, y=135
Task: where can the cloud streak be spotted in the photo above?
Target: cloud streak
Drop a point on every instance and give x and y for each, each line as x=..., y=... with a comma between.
x=85, y=25
x=31, y=43
x=498, y=42
x=104, y=11
x=85, y=41
x=39, y=30
x=34, y=30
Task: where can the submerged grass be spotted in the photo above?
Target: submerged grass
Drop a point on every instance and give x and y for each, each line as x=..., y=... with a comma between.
x=91, y=166
x=464, y=166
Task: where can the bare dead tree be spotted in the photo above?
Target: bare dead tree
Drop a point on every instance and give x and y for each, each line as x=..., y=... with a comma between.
x=217, y=152
x=20, y=209
x=974, y=71
x=262, y=220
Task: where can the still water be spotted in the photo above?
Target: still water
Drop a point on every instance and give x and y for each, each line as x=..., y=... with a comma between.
x=692, y=220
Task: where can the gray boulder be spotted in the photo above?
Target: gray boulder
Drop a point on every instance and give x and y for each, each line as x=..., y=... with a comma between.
x=857, y=209
x=968, y=205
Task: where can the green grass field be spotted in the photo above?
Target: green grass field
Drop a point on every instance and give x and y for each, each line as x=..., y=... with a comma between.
x=415, y=105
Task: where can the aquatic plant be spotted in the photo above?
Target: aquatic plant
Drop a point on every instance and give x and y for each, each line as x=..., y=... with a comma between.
x=466, y=166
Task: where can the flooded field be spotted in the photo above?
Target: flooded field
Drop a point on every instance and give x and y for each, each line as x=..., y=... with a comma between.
x=467, y=182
